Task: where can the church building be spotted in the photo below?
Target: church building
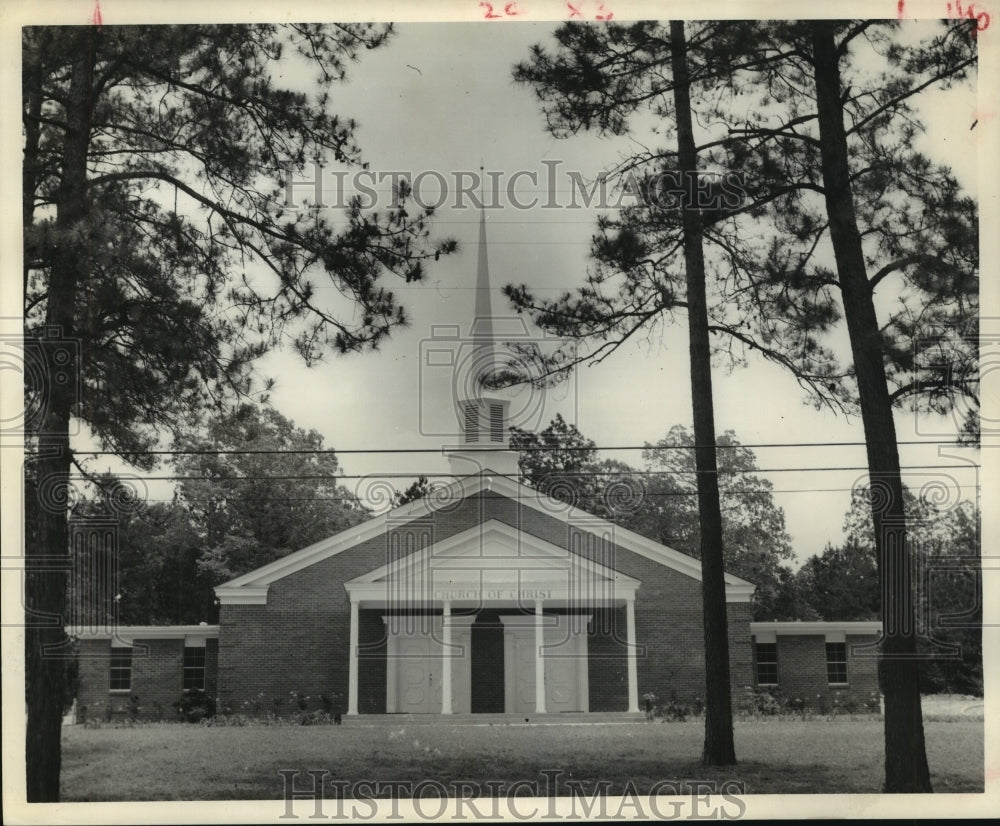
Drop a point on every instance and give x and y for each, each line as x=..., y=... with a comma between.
x=485, y=596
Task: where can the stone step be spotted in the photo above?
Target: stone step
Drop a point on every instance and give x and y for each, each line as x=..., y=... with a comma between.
x=577, y=718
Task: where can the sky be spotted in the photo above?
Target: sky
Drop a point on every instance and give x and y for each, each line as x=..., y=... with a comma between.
x=440, y=99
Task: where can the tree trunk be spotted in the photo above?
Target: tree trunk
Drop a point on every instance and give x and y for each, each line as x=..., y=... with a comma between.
x=905, y=756
x=719, y=748
x=47, y=545
x=31, y=93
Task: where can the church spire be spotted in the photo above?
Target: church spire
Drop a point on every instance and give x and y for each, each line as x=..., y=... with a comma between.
x=484, y=307
x=482, y=330
x=482, y=413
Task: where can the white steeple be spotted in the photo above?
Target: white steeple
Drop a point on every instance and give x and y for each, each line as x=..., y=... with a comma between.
x=482, y=413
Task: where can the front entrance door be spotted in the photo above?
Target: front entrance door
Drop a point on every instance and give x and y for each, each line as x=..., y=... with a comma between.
x=564, y=659
x=415, y=666
x=417, y=692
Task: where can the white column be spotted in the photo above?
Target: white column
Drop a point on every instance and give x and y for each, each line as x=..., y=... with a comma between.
x=352, y=678
x=539, y=660
x=446, y=660
x=633, y=674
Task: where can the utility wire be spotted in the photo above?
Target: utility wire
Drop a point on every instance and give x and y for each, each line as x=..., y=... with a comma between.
x=526, y=449
x=645, y=495
x=559, y=475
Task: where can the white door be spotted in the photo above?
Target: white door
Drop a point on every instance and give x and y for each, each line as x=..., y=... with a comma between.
x=416, y=691
x=562, y=684
x=524, y=674
x=565, y=662
x=415, y=670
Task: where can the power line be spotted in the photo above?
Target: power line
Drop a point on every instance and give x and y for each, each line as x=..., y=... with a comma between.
x=645, y=495
x=526, y=449
x=555, y=475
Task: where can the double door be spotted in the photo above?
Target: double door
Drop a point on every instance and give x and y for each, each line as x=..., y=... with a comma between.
x=416, y=670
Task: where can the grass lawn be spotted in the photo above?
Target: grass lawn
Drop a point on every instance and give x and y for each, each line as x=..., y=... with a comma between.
x=191, y=762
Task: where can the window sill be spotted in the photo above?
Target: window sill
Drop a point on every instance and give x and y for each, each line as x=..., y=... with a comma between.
x=839, y=685
x=122, y=691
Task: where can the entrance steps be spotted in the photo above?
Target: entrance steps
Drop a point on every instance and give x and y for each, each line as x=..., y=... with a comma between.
x=573, y=718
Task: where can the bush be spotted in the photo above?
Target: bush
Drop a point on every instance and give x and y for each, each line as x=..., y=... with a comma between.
x=795, y=705
x=332, y=703
x=673, y=710
x=297, y=718
x=195, y=705
x=762, y=702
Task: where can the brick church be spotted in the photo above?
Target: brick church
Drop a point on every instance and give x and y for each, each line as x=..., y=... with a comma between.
x=486, y=596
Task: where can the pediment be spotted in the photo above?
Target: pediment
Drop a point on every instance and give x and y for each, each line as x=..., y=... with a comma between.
x=492, y=563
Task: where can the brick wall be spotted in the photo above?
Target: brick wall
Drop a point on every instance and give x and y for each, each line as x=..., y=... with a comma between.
x=93, y=696
x=298, y=641
x=802, y=671
x=158, y=677
x=372, y=668
x=212, y=668
x=607, y=666
x=487, y=667
x=156, y=684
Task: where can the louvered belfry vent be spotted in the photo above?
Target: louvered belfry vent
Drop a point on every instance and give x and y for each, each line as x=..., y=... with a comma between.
x=496, y=423
x=471, y=422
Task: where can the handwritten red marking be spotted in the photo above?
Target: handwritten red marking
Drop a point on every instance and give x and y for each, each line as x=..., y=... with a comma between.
x=982, y=18
x=899, y=8
x=97, y=13
x=573, y=11
x=607, y=16
x=509, y=10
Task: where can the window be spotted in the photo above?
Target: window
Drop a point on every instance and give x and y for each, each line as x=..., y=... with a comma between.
x=194, y=668
x=767, y=663
x=836, y=662
x=121, y=669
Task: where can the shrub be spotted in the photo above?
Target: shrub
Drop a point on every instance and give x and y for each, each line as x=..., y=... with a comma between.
x=297, y=718
x=822, y=706
x=795, y=705
x=195, y=705
x=331, y=702
x=761, y=702
x=673, y=710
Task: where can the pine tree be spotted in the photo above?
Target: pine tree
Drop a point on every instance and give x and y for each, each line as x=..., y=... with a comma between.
x=161, y=261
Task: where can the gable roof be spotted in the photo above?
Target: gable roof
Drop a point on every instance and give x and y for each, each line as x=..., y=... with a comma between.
x=252, y=587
